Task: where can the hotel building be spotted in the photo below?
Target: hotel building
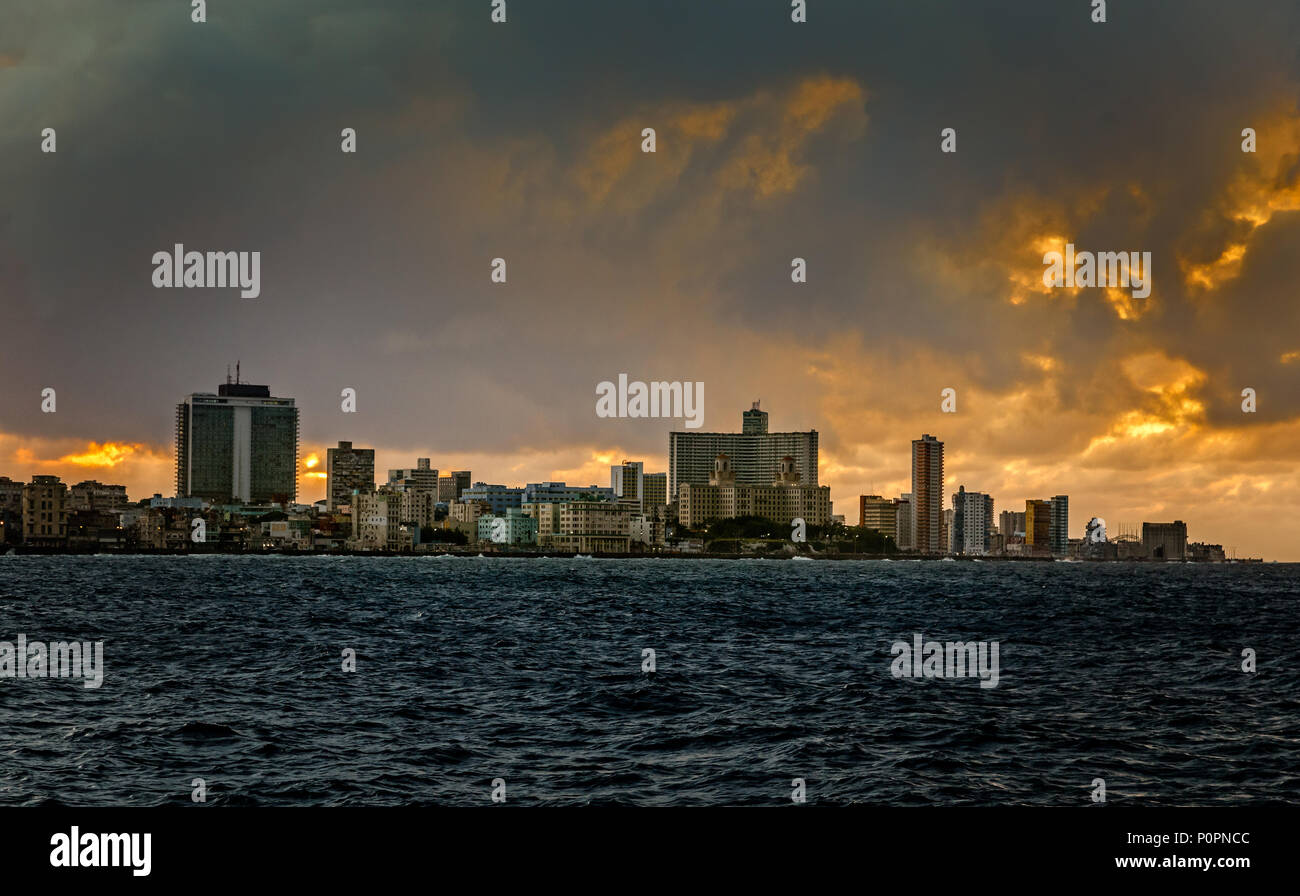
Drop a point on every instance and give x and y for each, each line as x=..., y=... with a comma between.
x=754, y=453
x=238, y=446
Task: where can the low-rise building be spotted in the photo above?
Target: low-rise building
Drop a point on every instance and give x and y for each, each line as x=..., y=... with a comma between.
x=93, y=495
x=782, y=501
x=513, y=527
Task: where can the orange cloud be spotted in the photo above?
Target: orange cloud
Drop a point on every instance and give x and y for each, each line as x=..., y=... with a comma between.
x=1266, y=185
x=107, y=454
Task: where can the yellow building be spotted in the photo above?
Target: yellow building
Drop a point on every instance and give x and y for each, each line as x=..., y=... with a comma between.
x=1038, y=522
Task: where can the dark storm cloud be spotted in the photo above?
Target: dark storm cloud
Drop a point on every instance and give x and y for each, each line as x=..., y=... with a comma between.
x=477, y=141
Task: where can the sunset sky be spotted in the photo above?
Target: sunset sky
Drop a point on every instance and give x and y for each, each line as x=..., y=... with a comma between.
x=775, y=140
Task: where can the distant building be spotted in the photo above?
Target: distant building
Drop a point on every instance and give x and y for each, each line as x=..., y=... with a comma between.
x=45, y=512
x=1058, y=527
x=237, y=446
x=654, y=491
x=95, y=496
x=879, y=513
x=1206, y=553
x=1165, y=541
x=453, y=485
x=499, y=497
x=377, y=523
x=906, y=542
x=927, y=495
x=464, y=516
x=11, y=510
x=785, y=499
x=561, y=493
x=754, y=453
x=417, y=506
x=511, y=528
x=347, y=469
x=972, y=522
x=1011, y=524
x=625, y=481
x=753, y=421
x=1038, y=525
x=649, y=527
x=588, y=527
x=421, y=478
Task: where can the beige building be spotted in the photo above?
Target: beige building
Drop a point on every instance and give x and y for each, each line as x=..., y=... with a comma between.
x=377, y=523
x=584, y=527
x=417, y=506
x=547, y=515
x=45, y=511
x=588, y=527
x=879, y=513
x=93, y=495
x=468, y=512
x=782, y=501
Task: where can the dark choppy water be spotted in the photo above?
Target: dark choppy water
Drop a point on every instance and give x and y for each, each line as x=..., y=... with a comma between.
x=229, y=669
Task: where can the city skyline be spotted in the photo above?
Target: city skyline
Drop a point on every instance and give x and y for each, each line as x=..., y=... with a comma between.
x=927, y=462
x=924, y=269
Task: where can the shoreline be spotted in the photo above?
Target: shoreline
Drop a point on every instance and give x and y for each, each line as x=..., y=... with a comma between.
x=20, y=550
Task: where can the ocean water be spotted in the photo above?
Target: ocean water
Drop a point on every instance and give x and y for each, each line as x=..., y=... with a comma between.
x=468, y=670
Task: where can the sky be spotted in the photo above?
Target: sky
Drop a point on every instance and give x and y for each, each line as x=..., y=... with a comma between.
x=774, y=140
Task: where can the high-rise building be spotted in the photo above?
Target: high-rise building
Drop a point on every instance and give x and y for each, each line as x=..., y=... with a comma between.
x=1058, y=528
x=452, y=486
x=753, y=421
x=1165, y=541
x=626, y=481
x=347, y=469
x=972, y=522
x=879, y=513
x=754, y=453
x=1038, y=523
x=927, y=494
x=906, y=541
x=1011, y=524
x=237, y=446
x=654, y=491
x=421, y=478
